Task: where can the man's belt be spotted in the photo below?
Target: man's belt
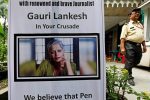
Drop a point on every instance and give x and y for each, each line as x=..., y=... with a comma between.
x=134, y=43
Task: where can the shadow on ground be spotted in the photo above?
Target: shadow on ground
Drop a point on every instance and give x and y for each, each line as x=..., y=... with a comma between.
x=143, y=68
x=4, y=96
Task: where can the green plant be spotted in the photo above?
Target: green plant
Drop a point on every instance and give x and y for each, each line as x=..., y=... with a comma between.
x=116, y=86
x=3, y=83
x=2, y=68
x=3, y=30
x=142, y=95
x=3, y=50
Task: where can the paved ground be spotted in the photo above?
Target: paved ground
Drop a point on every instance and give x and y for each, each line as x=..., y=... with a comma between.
x=141, y=76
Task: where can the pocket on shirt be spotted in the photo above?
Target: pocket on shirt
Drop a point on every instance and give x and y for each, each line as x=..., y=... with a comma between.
x=132, y=31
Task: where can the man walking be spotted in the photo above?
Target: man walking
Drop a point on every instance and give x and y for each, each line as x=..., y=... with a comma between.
x=131, y=40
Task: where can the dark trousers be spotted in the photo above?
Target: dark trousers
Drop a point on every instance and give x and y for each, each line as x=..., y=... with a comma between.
x=133, y=55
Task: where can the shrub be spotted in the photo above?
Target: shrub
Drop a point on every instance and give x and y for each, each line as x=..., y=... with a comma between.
x=116, y=86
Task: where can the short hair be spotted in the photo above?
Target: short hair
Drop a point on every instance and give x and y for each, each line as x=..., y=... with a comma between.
x=54, y=41
x=135, y=10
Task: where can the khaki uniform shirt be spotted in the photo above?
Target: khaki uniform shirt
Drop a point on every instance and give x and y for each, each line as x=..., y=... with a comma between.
x=133, y=31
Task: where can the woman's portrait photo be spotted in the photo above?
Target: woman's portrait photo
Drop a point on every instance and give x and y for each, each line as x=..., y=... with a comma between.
x=57, y=56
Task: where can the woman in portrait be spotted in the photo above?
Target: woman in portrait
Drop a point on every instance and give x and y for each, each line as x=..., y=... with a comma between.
x=56, y=65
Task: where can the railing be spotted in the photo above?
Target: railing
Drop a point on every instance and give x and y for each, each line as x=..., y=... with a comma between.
x=143, y=1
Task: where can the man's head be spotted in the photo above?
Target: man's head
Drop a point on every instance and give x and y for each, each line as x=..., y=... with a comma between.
x=135, y=14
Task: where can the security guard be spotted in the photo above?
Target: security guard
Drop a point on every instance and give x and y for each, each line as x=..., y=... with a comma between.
x=131, y=40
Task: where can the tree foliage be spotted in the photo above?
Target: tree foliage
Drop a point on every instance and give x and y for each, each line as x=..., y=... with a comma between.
x=3, y=29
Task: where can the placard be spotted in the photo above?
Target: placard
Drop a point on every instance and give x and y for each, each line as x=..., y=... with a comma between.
x=56, y=50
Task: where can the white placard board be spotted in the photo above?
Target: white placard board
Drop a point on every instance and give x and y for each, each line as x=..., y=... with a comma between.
x=78, y=25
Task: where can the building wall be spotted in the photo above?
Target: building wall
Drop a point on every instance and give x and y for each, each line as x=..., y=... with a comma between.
x=112, y=40
x=147, y=24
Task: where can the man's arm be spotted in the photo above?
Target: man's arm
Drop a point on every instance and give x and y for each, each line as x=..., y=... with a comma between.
x=144, y=47
x=123, y=36
x=122, y=46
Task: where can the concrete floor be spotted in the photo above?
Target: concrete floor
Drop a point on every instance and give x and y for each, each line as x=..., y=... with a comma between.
x=141, y=78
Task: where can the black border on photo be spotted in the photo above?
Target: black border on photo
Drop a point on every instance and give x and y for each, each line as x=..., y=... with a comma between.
x=62, y=78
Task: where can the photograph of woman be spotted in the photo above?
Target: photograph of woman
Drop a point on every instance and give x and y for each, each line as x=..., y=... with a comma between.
x=56, y=65
x=42, y=57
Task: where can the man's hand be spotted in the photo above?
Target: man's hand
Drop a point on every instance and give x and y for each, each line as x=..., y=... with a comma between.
x=144, y=49
x=123, y=51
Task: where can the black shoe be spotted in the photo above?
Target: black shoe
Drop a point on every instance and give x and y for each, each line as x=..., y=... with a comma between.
x=131, y=77
x=131, y=82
